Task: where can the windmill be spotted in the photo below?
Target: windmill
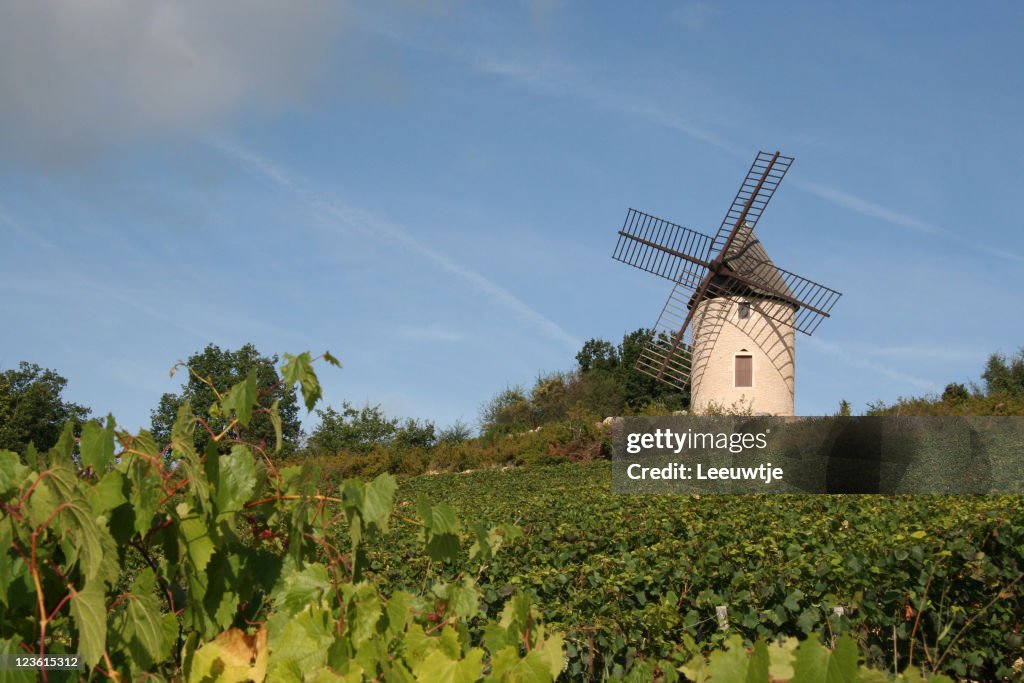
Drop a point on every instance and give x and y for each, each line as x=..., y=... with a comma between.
x=729, y=324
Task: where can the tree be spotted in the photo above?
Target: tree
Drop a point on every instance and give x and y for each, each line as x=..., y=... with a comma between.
x=31, y=408
x=351, y=429
x=224, y=369
x=1004, y=375
x=360, y=430
x=608, y=366
x=458, y=432
x=955, y=393
x=509, y=411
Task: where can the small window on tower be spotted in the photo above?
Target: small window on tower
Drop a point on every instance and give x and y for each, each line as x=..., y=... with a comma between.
x=744, y=371
x=744, y=311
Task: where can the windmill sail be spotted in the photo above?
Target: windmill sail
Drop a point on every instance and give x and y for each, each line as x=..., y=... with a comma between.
x=763, y=178
x=665, y=249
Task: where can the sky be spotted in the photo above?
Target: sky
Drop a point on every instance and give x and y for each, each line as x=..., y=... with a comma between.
x=431, y=191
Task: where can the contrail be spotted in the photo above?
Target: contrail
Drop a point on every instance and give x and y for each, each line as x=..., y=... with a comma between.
x=866, y=208
x=552, y=81
x=841, y=353
x=377, y=226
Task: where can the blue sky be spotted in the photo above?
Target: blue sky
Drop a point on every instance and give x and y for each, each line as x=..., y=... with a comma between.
x=432, y=192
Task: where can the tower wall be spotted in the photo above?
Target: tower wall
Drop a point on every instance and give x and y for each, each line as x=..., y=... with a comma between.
x=719, y=335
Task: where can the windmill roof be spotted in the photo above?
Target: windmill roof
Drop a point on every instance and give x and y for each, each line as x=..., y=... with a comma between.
x=747, y=256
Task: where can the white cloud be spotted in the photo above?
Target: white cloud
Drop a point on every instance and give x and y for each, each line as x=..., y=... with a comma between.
x=78, y=77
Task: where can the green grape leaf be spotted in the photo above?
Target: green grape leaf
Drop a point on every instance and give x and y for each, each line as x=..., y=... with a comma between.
x=195, y=536
x=146, y=444
x=60, y=492
x=439, y=667
x=107, y=493
x=464, y=600
x=241, y=398
x=780, y=658
x=730, y=663
x=439, y=519
x=89, y=613
x=235, y=480
x=231, y=657
x=552, y=651
x=222, y=588
x=378, y=500
x=138, y=628
x=299, y=588
x=300, y=369
x=398, y=612
x=97, y=444
x=60, y=454
x=441, y=547
x=815, y=663
x=11, y=565
x=329, y=357
x=507, y=665
x=364, y=611
x=144, y=494
x=302, y=643
x=11, y=646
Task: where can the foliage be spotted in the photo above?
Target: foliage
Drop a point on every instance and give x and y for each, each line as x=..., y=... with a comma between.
x=213, y=367
x=633, y=581
x=31, y=408
x=219, y=566
x=1003, y=394
x=362, y=430
x=1004, y=375
x=599, y=360
x=457, y=432
x=787, y=660
x=604, y=383
x=508, y=412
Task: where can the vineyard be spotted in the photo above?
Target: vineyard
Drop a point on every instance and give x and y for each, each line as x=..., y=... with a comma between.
x=633, y=581
x=225, y=563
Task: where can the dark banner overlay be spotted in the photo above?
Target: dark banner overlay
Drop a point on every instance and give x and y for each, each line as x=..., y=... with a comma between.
x=689, y=454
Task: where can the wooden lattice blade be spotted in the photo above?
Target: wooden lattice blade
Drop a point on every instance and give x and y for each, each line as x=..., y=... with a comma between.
x=813, y=302
x=757, y=189
x=667, y=354
x=663, y=248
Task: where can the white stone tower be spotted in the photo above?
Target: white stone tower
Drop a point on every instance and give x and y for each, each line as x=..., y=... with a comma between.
x=742, y=359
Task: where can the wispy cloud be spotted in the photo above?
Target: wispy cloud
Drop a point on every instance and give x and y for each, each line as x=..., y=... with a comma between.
x=9, y=223
x=897, y=218
x=560, y=80
x=858, y=360
x=371, y=224
x=556, y=79
x=923, y=352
